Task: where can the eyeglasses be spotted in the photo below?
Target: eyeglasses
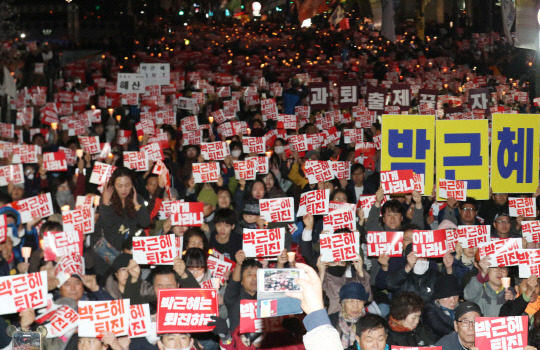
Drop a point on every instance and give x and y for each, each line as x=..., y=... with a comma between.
x=503, y=222
x=468, y=209
x=500, y=269
x=466, y=323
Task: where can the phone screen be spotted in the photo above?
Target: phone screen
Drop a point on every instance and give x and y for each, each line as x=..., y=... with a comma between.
x=26, y=341
x=281, y=280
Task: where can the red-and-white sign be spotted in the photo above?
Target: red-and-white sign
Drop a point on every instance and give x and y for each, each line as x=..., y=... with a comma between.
x=219, y=267
x=214, y=150
x=353, y=135
x=186, y=310
x=21, y=292
x=501, y=332
x=80, y=220
x=318, y=171
x=154, y=250
x=96, y=317
x=366, y=202
x=25, y=153
x=153, y=151
x=67, y=266
x=529, y=262
x=123, y=137
x=3, y=228
x=90, y=144
x=531, y=231
x=101, y=173
x=245, y=169
x=340, y=246
x=340, y=170
x=137, y=161
x=33, y=207
x=419, y=183
x=205, y=172
x=54, y=161
x=61, y=321
x=189, y=123
x=339, y=219
x=470, y=236
x=139, y=321
x=429, y=244
x=249, y=323
x=70, y=155
x=187, y=213
x=453, y=188
x=397, y=181
x=261, y=164
x=502, y=252
x=277, y=209
x=389, y=243
x=145, y=127
x=59, y=244
x=254, y=145
x=11, y=174
x=314, y=202
x=259, y=243
x=525, y=207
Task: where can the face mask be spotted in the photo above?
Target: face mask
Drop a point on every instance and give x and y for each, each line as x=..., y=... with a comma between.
x=63, y=197
x=200, y=279
x=279, y=149
x=337, y=271
x=30, y=176
x=421, y=267
x=236, y=153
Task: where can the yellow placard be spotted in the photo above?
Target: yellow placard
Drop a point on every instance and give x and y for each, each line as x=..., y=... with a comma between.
x=514, y=153
x=462, y=154
x=408, y=142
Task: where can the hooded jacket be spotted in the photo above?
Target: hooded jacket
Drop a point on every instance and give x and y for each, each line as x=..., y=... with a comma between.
x=421, y=336
x=479, y=291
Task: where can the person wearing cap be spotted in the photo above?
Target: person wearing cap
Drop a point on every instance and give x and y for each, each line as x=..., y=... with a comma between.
x=463, y=337
x=116, y=282
x=416, y=275
x=439, y=313
x=486, y=288
x=251, y=215
x=404, y=321
x=460, y=213
x=209, y=198
x=352, y=297
x=503, y=227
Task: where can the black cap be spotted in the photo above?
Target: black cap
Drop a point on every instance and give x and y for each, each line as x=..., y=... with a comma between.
x=446, y=286
x=499, y=215
x=251, y=207
x=121, y=261
x=465, y=307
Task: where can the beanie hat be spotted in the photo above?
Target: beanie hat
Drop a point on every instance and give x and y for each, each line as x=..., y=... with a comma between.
x=447, y=224
x=446, y=286
x=251, y=207
x=353, y=290
x=208, y=196
x=121, y=261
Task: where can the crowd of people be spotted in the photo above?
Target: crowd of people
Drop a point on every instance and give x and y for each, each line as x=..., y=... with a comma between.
x=365, y=303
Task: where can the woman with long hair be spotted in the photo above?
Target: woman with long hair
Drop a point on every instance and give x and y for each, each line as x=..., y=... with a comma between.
x=122, y=210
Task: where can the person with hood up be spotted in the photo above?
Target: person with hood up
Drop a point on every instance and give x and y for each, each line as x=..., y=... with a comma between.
x=21, y=235
x=352, y=297
x=416, y=276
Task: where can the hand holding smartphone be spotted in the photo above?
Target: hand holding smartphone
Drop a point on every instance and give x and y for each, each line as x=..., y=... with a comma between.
x=279, y=280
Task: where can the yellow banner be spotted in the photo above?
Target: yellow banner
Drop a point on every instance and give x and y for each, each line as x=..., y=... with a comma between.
x=408, y=142
x=462, y=154
x=514, y=153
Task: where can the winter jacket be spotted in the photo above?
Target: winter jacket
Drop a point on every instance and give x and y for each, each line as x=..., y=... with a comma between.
x=480, y=292
x=372, y=223
x=440, y=323
x=401, y=281
x=332, y=285
x=421, y=336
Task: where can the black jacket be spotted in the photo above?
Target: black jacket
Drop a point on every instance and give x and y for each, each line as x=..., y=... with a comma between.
x=233, y=294
x=514, y=307
x=369, y=188
x=440, y=323
x=401, y=281
x=421, y=336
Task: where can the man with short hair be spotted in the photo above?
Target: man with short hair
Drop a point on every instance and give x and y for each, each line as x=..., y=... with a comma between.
x=74, y=288
x=242, y=285
x=372, y=332
x=175, y=341
x=357, y=186
x=467, y=212
x=503, y=225
x=392, y=213
x=487, y=290
x=463, y=337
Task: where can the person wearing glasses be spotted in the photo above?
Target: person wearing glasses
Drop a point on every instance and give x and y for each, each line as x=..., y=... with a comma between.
x=463, y=337
x=487, y=290
x=463, y=213
x=503, y=225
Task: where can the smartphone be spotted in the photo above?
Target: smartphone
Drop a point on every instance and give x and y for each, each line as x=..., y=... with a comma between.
x=279, y=280
x=26, y=341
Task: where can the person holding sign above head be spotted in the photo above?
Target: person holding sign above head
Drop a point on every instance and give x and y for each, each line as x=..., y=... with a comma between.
x=486, y=289
x=392, y=214
x=242, y=285
x=416, y=276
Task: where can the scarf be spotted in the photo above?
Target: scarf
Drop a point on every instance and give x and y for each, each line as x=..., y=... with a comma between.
x=467, y=261
x=396, y=325
x=347, y=325
x=447, y=311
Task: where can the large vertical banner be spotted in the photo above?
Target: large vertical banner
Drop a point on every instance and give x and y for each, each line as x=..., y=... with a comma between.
x=462, y=154
x=526, y=24
x=408, y=142
x=388, y=28
x=514, y=153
